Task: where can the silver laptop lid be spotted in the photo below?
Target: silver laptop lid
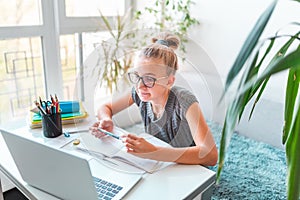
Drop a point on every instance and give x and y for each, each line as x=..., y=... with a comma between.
x=62, y=173
x=51, y=170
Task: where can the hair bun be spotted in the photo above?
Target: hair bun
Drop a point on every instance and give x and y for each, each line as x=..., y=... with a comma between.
x=167, y=39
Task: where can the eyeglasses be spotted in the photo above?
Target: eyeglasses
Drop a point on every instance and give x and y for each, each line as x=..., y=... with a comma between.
x=148, y=81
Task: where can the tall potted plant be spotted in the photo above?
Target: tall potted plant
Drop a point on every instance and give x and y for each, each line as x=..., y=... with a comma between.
x=251, y=85
x=116, y=53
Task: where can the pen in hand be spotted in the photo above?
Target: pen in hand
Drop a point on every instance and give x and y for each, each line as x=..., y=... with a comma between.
x=109, y=133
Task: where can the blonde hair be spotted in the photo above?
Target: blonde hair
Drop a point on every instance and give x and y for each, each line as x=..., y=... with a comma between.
x=163, y=47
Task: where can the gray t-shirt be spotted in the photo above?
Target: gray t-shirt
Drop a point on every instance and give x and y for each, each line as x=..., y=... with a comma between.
x=172, y=127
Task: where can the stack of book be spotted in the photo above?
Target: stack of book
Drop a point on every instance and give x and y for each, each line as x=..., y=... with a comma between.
x=71, y=112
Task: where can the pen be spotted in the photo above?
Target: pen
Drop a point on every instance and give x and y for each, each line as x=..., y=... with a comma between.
x=109, y=133
x=57, y=104
x=41, y=102
x=52, y=99
x=40, y=108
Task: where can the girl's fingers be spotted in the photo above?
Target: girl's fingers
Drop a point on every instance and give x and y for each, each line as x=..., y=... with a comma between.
x=130, y=141
x=106, y=124
x=129, y=146
x=132, y=136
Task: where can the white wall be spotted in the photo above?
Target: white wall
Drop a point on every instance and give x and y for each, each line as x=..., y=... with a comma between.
x=226, y=24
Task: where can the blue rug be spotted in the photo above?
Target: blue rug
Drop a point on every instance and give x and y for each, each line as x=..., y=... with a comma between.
x=252, y=170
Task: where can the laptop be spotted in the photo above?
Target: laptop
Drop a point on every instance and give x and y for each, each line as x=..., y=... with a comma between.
x=66, y=175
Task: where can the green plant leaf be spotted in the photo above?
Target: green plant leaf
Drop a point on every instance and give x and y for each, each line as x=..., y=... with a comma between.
x=293, y=158
x=262, y=84
x=225, y=139
x=262, y=88
x=107, y=24
x=289, y=61
x=231, y=119
x=256, y=87
x=277, y=56
x=250, y=82
x=290, y=100
x=236, y=107
x=249, y=74
x=249, y=44
x=278, y=65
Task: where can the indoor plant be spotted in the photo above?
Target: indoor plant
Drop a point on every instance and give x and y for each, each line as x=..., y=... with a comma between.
x=169, y=15
x=252, y=83
x=117, y=54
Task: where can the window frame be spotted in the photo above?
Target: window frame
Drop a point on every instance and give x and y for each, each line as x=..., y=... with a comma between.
x=55, y=23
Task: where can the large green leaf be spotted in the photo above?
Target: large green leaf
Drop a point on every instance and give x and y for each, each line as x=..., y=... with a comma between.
x=233, y=111
x=287, y=62
x=249, y=74
x=262, y=88
x=250, y=44
x=281, y=64
x=262, y=84
x=253, y=90
x=229, y=124
x=293, y=158
x=290, y=100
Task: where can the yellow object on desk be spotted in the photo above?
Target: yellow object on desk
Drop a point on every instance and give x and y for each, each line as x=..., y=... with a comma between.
x=35, y=119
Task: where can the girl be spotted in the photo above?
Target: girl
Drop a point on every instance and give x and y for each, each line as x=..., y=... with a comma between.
x=169, y=112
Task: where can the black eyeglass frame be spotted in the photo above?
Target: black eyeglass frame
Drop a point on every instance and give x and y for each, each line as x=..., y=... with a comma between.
x=142, y=78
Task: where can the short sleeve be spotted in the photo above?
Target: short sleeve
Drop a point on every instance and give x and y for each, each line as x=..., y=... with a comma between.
x=185, y=98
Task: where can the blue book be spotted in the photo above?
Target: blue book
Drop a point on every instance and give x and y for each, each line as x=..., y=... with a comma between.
x=69, y=106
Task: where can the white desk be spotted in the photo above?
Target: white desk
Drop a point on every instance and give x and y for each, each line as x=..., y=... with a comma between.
x=173, y=182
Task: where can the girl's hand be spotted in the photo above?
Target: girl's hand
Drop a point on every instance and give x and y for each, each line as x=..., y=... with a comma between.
x=138, y=146
x=106, y=124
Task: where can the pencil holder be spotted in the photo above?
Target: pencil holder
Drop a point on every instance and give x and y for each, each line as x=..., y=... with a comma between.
x=52, y=126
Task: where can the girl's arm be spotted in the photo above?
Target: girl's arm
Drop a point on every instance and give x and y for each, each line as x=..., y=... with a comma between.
x=204, y=153
x=117, y=104
x=107, y=110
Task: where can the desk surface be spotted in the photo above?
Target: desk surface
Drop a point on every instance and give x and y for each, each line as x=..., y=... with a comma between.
x=173, y=182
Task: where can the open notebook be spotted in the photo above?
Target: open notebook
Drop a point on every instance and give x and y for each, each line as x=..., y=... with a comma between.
x=115, y=149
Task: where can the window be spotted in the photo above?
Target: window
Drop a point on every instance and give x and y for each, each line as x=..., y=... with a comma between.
x=24, y=13
x=21, y=76
x=92, y=8
x=42, y=49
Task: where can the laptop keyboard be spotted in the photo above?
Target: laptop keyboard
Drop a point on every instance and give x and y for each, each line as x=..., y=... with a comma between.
x=106, y=190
